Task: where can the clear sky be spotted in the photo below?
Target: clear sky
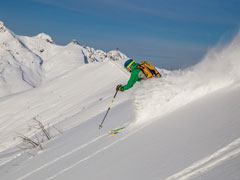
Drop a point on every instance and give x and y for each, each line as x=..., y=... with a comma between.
x=170, y=33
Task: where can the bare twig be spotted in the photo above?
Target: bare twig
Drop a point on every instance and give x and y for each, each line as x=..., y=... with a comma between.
x=42, y=128
x=42, y=134
x=40, y=145
x=27, y=140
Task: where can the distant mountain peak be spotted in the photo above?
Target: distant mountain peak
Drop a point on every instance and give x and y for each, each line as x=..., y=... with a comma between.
x=45, y=37
x=2, y=27
x=74, y=41
x=116, y=55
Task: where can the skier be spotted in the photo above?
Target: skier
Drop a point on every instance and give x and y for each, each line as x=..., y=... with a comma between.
x=139, y=71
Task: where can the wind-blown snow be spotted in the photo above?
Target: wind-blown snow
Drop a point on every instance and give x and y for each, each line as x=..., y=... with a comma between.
x=219, y=69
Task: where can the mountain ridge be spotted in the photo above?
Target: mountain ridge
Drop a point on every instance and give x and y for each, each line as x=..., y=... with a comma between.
x=27, y=62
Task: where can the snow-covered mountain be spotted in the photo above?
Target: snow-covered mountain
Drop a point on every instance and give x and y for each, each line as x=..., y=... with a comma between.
x=20, y=68
x=182, y=126
x=27, y=62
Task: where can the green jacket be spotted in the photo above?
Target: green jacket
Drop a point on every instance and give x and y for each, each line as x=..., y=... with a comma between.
x=136, y=75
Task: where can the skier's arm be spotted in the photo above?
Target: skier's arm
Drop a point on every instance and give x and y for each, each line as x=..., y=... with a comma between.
x=133, y=79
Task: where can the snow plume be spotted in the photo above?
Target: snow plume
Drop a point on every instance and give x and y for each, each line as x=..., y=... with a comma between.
x=219, y=69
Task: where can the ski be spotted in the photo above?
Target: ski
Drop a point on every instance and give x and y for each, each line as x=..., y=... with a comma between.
x=115, y=131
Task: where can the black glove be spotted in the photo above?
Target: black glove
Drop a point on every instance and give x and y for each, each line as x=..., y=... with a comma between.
x=119, y=87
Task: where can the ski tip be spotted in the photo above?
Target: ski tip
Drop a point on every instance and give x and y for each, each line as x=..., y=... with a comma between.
x=111, y=133
x=115, y=131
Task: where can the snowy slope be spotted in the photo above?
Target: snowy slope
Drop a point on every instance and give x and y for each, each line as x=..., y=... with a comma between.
x=182, y=126
x=193, y=141
x=86, y=96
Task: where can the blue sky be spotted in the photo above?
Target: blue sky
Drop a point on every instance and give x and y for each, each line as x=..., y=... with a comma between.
x=170, y=33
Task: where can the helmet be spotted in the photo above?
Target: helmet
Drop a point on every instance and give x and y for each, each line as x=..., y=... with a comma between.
x=128, y=63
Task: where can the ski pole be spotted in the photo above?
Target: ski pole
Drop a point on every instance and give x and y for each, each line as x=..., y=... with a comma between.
x=100, y=126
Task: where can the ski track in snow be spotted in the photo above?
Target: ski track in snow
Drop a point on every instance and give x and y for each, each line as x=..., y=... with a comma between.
x=61, y=157
x=77, y=149
x=95, y=153
x=230, y=151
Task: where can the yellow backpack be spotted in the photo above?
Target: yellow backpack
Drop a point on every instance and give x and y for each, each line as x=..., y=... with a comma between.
x=148, y=69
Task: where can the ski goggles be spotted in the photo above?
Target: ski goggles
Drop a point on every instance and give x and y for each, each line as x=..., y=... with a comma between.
x=130, y=64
